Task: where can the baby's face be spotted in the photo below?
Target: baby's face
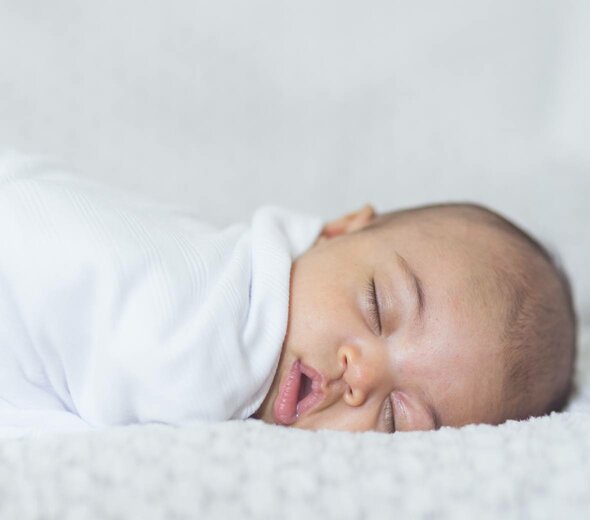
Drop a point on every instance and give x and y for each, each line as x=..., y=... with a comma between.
x=420, y=352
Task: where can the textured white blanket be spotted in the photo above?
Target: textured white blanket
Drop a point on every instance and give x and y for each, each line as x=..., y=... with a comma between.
x=538, y=468
x=116, y=311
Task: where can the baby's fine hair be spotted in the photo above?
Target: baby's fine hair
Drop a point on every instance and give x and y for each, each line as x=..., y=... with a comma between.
x=540, y=330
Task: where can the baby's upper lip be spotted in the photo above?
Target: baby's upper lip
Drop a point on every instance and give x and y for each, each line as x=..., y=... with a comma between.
x=316, y=377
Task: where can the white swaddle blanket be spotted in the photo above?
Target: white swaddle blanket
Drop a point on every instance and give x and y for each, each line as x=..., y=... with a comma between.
x=114, y=310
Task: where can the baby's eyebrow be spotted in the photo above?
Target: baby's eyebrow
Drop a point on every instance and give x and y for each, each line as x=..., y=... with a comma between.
x=416, y=283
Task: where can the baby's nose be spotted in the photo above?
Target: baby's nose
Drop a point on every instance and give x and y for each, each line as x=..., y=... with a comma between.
x=361, y=372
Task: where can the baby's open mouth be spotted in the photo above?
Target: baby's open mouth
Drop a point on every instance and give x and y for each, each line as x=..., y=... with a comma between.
x=299, y=391
x=304, y=388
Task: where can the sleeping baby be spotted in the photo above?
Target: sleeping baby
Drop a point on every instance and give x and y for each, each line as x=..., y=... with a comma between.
x=115, y=310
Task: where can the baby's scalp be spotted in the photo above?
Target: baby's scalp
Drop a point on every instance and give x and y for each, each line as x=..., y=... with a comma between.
x=538, y=339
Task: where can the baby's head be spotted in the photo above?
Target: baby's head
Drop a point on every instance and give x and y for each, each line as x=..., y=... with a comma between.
x=442, y=315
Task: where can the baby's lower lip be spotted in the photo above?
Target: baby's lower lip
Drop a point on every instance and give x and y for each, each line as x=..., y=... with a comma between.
x=286, y=407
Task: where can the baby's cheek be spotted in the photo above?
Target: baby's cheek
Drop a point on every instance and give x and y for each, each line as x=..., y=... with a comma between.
x=339, y=418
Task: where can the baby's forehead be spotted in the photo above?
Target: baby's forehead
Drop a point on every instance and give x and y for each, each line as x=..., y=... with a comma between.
x=462, y=250
x=446, y=219
x=460, y=261
x=450, y=231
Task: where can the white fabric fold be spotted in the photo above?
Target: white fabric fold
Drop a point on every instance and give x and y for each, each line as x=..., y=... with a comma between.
x=115, y=310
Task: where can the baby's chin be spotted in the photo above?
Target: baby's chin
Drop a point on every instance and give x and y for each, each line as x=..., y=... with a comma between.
x=264, y=411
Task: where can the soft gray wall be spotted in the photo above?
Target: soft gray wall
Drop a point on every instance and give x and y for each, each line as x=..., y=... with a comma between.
x=318, y=106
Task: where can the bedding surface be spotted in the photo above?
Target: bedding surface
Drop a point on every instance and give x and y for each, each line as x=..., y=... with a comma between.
x=538, y=468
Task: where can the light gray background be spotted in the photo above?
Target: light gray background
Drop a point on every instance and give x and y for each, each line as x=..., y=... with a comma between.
x=223, y=106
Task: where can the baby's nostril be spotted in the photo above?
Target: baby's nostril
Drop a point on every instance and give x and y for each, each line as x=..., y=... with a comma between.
x=344, y=362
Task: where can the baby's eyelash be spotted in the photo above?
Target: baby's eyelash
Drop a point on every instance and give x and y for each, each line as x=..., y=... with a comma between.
x=389, y=420
x=373, y=304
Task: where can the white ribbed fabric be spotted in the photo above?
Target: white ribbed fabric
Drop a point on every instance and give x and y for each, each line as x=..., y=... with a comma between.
x=114, y=310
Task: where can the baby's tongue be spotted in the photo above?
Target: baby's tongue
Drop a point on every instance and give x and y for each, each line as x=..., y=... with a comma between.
x=285, y=407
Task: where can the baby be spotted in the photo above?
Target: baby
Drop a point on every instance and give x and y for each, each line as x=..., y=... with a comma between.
x=115, y=311
x=442, y=315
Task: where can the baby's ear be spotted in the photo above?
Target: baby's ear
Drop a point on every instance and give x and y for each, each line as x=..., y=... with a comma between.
x=348, y=223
